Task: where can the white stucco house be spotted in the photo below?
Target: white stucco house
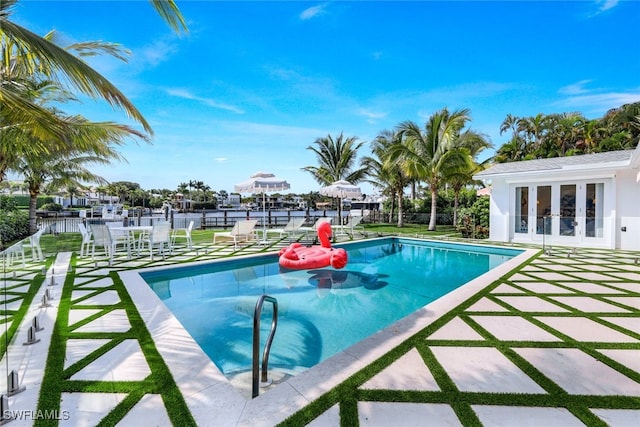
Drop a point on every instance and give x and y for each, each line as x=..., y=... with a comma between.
x=591, y=200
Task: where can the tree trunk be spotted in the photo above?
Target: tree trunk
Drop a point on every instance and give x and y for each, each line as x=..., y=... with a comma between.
x=33, y=201
x=393, y=207
x=400, y=210
x=455, y=207
x=434, y=204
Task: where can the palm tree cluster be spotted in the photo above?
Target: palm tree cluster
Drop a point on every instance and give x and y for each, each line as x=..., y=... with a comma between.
x=441, y=153
x=37, y=76
x=567, y=134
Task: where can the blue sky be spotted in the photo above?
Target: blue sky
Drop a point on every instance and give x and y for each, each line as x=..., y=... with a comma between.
x=253, y=84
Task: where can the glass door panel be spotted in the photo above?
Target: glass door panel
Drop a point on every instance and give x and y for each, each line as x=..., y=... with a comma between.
x=594, y=226
x=521, y=223
x=568, y=210
x=543, y=210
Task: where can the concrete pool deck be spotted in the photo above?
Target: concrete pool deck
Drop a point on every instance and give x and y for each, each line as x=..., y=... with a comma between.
x=573, y=330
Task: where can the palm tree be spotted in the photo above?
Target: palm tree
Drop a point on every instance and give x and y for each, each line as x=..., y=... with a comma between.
x=27, y=55
x=534, y=128
x=59, y=170
x=182, y=189
x=430, y=155
x=72, y=191
x=336, y=159
x=384, y=173
x=27, y=82
x=474, y=143
x=40, y=53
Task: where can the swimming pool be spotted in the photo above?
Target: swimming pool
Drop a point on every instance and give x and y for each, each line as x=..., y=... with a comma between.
x=322, y=311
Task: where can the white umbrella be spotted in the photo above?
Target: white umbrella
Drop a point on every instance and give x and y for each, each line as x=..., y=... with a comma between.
x=262, y=182
x=343, y=190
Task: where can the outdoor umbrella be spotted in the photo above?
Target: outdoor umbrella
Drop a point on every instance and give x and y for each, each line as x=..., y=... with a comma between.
x=342, y=190
x=262, y=182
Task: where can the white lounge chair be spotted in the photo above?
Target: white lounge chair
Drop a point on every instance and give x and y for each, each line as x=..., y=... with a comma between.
x=183, y=233
x=292, y=227
x=314, y=228
x=353, y=224
x=244, y=229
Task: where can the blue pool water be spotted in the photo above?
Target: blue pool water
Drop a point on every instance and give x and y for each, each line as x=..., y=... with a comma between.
x=322, y=311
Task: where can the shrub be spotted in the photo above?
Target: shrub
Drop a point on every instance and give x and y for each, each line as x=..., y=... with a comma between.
x=54, y=207
x=474, y=221
x=14, y=223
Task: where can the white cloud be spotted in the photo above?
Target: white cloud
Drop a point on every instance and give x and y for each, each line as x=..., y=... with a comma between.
x=220, y=159
x=312, y=12
x=599, y=102
x=156, y=53
x=182, y=93
x=372, y=116
x=604, y=5
x=575, y=88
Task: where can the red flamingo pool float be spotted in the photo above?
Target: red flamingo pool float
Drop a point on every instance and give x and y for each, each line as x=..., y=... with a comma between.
x=299, y=257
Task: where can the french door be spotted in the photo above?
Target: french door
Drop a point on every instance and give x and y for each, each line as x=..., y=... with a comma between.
x=560, y=213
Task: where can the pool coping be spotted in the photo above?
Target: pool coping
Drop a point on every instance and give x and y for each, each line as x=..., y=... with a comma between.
x=207, y=391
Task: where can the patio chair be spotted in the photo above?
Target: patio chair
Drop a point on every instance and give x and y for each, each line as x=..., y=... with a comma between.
x=314, y=229
x=244, y=229
x=86, y=239
x=102, y=238
x=292, y=227
x=34, y=243
x=14, y=252
x=160, y=236
x=183, y=233
x=353, y=224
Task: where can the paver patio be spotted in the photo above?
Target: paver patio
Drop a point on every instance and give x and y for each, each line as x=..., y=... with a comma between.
x=555, y=343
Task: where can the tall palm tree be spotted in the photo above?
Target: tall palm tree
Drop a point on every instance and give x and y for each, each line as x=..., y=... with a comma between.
x=384, y=173
x=474, y=143
x=429, y=154
x=34, y=83
x=73, y=190
x=336, y=161
x=59, y=170
x=534, y=128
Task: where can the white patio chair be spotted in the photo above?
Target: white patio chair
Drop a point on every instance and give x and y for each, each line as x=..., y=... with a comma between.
x=14, y=252
x=244, y=229
x=101, y=237
x=183, y=233
x=119, y=234
x=33, y=242
x=160, y=237
x=86, y=239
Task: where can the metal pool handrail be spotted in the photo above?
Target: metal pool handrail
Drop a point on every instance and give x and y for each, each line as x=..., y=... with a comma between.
x=256, y=341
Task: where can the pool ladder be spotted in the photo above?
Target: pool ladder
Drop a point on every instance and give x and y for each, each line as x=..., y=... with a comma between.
x=256, y=341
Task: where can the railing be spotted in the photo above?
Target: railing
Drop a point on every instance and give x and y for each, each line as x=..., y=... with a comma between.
x=256, y=342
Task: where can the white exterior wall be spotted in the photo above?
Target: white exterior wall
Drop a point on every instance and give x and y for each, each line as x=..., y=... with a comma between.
x=499, y=209
x=621, y=208
x=628, y=212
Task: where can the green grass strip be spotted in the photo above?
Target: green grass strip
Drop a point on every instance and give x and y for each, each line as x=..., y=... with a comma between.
x=57, y=379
